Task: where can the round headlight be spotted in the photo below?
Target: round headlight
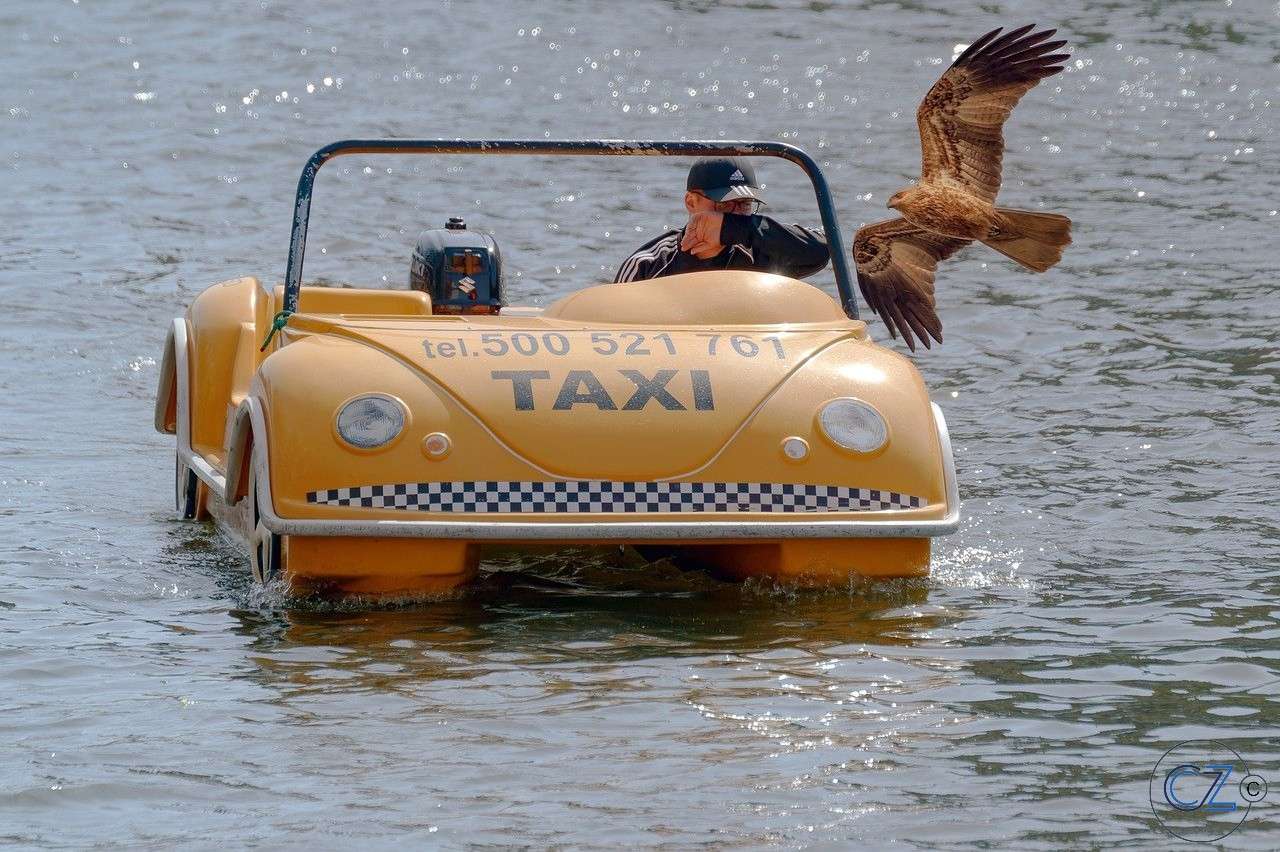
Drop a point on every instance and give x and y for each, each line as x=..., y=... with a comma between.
x=367, y=422
x=854, y=425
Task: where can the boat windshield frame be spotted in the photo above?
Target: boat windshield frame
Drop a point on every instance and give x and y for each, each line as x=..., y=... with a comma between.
x=569, y=147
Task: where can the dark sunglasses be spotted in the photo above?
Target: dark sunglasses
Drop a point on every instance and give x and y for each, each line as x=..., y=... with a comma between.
x=741, y=206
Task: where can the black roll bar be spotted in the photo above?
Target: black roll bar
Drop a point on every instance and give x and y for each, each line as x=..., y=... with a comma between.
x=588, y=147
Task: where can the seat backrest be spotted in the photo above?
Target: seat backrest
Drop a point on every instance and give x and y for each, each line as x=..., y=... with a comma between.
x=343, y=300
x=728, y=297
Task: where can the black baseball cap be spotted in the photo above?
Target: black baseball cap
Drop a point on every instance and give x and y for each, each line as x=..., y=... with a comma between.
x=724, y=179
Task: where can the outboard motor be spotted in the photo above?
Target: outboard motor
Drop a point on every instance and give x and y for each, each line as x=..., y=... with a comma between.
x=461, y=270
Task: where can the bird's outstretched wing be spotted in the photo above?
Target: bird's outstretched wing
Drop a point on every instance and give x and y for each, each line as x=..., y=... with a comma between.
x=896, y=261
x=961, y=118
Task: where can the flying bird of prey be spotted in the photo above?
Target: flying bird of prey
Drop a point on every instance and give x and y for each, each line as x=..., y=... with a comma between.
x=962, y=146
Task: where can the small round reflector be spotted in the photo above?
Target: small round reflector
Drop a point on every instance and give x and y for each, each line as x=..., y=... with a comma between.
x=795, y=448
x=436, y=445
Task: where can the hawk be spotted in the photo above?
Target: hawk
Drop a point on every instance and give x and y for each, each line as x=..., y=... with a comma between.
x=953, y=204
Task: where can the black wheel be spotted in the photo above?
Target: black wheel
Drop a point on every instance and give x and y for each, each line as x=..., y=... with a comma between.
x=185, y=485
x=265, y=547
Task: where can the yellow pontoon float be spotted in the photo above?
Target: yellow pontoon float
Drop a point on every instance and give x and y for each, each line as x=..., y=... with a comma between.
x=739, y=421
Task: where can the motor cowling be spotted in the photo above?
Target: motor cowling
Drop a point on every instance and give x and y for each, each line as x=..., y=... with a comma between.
x=460, y=269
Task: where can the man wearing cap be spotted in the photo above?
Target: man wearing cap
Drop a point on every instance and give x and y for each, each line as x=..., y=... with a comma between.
x=724, y=231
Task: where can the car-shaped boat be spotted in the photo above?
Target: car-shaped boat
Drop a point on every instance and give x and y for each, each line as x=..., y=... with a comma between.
x=739, y=421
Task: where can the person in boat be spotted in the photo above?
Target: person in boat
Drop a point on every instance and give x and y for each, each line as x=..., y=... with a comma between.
x=726, y=231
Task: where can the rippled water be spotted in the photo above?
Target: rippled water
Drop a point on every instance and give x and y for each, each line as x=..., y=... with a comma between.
x=1112, y=591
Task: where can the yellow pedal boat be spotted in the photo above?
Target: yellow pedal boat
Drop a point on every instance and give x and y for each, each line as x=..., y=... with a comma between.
x=739, y=421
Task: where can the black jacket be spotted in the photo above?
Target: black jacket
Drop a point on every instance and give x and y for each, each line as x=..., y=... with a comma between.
x=751, y=242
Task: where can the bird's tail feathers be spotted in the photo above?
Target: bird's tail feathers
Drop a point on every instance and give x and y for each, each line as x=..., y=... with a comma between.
x=1034, y=240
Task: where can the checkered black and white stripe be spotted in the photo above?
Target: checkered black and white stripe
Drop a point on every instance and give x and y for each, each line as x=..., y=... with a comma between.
x=595, y=496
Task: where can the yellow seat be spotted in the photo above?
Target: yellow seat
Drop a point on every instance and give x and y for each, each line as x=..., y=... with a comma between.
x=343, y=300
x=729, y=297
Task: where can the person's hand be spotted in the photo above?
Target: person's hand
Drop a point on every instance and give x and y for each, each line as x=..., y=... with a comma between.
x=702, y=235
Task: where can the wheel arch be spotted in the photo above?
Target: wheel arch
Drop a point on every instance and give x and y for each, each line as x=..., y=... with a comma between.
x=240, y=453
x=166, y=413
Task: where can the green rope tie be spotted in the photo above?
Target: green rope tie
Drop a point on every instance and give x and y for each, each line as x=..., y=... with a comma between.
x=276, y=324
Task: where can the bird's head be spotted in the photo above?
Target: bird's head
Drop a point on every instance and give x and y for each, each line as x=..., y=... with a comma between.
x=896, y=199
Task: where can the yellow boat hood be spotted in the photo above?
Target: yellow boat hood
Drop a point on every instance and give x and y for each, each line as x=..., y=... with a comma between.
x=633, y=402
